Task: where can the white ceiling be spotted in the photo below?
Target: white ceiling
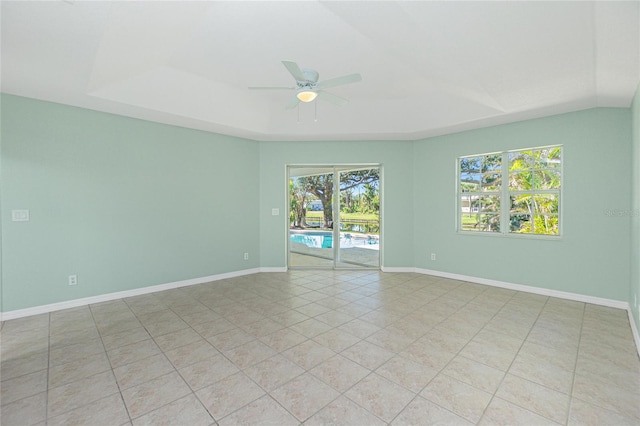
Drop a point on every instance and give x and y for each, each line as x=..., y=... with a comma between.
x=427, y=68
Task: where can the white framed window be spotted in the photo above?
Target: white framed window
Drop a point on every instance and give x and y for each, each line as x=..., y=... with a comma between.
x=511, y=192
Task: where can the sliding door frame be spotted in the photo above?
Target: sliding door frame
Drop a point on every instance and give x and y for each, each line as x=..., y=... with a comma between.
x=336, y=169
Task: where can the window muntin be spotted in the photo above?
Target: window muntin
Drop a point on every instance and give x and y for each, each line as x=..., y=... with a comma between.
x=527, y=204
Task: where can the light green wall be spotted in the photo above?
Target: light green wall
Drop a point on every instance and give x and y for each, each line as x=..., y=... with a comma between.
x=395, y=157
x=634, y=288
x=122, y=203
x=592, y=258
x=125, y=203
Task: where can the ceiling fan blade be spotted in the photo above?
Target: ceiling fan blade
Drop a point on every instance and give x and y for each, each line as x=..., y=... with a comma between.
x=330, y=97
x=295, y=70
x=339, y=81
x=271, y=88
x=295, y=101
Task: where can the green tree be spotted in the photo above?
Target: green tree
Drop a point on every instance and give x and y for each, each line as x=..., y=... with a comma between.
x=322, y=187
x=298, y=203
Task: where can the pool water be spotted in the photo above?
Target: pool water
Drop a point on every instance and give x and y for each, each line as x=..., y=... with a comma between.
x=318, y=239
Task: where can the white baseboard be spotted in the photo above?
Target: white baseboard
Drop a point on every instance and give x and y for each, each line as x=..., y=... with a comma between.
x=43, y=309
x=634, y=330
x=529, y=289
x=394, y=269
x=274, y=269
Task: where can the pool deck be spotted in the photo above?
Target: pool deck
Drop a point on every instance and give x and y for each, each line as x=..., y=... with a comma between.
x=354, y=257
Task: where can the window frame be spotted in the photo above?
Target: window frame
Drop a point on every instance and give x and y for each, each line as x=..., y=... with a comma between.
x=505, y=194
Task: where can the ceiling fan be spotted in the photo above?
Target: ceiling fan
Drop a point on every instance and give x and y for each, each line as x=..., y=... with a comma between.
x=308, y=87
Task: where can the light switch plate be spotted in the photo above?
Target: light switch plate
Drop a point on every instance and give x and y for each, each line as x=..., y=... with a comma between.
x=20, y=215
x=275, y=212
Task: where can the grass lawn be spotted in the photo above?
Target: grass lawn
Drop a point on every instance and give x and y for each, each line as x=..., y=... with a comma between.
x=346, y=216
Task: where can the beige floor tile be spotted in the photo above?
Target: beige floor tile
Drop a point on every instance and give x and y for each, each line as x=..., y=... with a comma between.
x=424, y=353
x=262, y=328
x=249, y=354
x=343, y=412
x=336, y=340
x=19, y=366
x=229, y=394
x=213, y=327
x=230, y=339
x=544, y=373
x=72, y=337
x=458, y=397
x=175, y=339
x=599, y=391
x=443, y=340
x=273, y=372
x=556, y=357
x=127, y=322
x=125, y=338
x=391, y=339
x=23, y=386
x=334, y=318
x=191, y=353
x=108, y=410
x=359, y=328
x=504, y=413
x=263, y=411
x=608, y=357
x=498, y=353
x=578, y=364
x=380, y=318
x=283, y=339
x=543, y=401
x=339, y=372
x=72, y=371
x=424, y=412
x=163, y=327
x=304, y=396
x=193, y=318
x=354, y=309
x=308, y=354
x=208, y=371
x=81, y=392
x=289, y=317
x=134, y=352
x=75, y=352
x=138, y=372
x=380, y=396
x=585, y=414
x=507, y=327
x=186, y=411
x=310, y=328
x=148, y=396
x=367, y=354
x=407, y=373
x=25, y=411
x=563, y=339
x=474, y=373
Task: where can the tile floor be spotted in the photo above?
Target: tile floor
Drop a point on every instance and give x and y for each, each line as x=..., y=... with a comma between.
x=322, y=348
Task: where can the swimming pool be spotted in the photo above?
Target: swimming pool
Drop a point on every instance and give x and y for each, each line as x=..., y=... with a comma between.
x=324, y=239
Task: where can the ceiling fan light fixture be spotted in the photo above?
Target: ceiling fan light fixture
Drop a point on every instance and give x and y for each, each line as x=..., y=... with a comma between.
x=306, y=95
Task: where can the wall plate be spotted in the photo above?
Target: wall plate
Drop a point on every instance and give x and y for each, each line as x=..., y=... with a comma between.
x=20, y=215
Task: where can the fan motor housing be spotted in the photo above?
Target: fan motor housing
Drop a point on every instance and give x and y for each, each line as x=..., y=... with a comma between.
x=311, y=76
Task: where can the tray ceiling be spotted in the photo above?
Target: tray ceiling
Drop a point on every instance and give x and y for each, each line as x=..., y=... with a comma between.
x=428, y=68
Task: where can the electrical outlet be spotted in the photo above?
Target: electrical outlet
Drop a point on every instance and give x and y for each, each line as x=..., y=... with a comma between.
x=246, y=256
x=73, y=279
x=433, y=256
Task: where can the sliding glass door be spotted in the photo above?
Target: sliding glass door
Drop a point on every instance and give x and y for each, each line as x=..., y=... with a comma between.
x=334, y=216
